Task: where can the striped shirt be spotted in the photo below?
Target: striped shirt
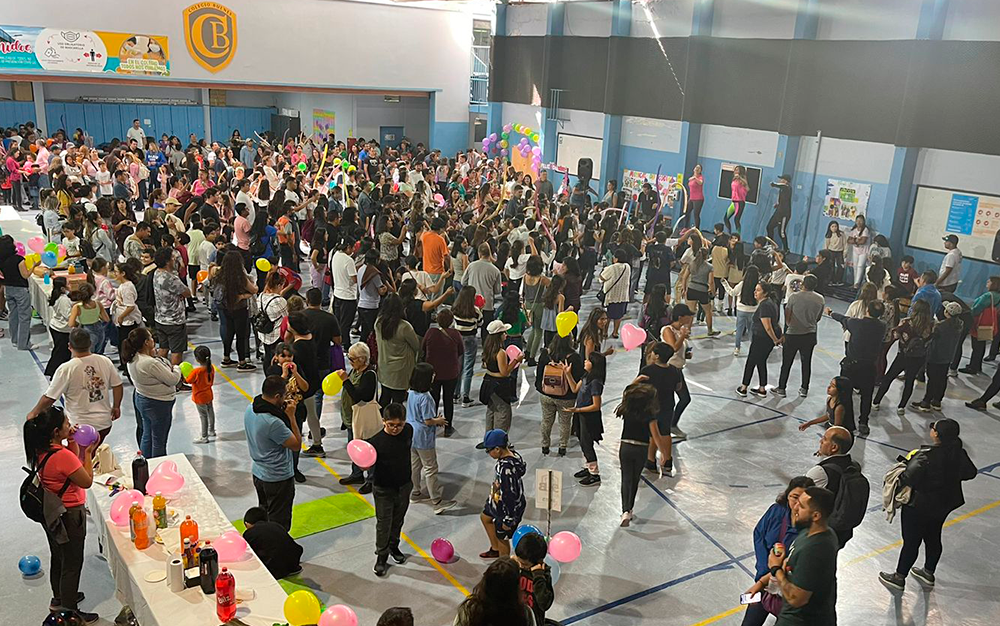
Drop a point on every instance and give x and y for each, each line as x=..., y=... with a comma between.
x=468, y=326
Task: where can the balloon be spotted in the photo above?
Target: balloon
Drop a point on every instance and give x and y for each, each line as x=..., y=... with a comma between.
x=442, y=550
x=263, y=264
x=86, y=435
x=302, y=166
x=566, y=322
x=336, y=162
x=480, y=301
x=338, y=615
x=62, y=250
x=565, y=547
x=486, y=142
x=513, y=352
x=186, y=369
x=332, y=384
x=521, y=531
x=231, y=546
x=343, y=155
x=362, y=453
x=507, y=127
x=37, y=244
x=505, y=135
x=438, y=198
x=535, y=137
x=537, y=151
x=493, y=137
x=31, y=565
x=30, y=261
x=202, y=276
x=503, y=143
x=632, y=337
x=351, y=168
x=19, y=247
x=165, y=478
x=122, y=503
x=526, y=130
x=52, y=247
x=302, y=608
x=503, y=152
x=554, y=567
x=49, y=259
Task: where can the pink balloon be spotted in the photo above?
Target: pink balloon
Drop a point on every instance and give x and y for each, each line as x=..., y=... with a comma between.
x=19, y=247
x=513, y=352
x=362, y=453
x=442, y=550
x=165, y=478
x=632, y=336
x=62, y=250
x=231, y=546
x=122, y=503
x=338, y=615
x=565, y=547
x=37, y=244
x=537, y=151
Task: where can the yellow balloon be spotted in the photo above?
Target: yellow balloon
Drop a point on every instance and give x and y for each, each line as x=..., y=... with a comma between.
x=30, y=262
x=302, y=608
x=332, y=384
x=263, y=265
x=566, y=322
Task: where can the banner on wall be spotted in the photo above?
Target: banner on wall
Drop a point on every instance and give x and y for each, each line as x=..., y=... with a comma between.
x=324, y=123
x=846, y=200
x=632, y=181
x=34, y=49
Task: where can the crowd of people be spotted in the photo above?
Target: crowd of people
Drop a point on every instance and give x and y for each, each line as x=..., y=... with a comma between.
x=402, y=272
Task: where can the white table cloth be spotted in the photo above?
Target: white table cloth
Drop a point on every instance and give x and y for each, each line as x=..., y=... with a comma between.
x=153, y=603
x=39, y=294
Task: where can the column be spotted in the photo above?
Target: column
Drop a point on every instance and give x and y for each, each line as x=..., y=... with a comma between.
x=494, y=110
x=206, y=111
x=621, y=26
x=701, y=26
x=38, y=95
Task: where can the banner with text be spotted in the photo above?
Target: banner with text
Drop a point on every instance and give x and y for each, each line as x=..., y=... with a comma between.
x=34, y=49
x=846, y=200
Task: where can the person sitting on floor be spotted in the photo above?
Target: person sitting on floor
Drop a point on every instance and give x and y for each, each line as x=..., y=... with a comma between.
x=280, y=553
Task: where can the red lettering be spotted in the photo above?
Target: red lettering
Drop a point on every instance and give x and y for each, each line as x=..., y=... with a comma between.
x=15, y=46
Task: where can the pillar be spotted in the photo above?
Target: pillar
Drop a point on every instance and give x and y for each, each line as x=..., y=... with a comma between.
x=206, y=111
x=554, y=20
x=38, y=95
x=494, y=110
x=701, y=26
x=621, y=26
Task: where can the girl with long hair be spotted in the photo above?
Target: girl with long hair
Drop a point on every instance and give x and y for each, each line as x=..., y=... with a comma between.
x=701, y=282
x=860, y=240
x=235, y=289
x=468, y=319
x=588, y=410
x=125, y=312
x=88, y=314
x=765, y=335
x=913, y=333
x=594, y=333
x=398, y=347
x=835, y=242
x=532, y=288
x=637, y=411
x=61, y=306
x=497, y=598
x=516, y=266
x=553, y=302
x=839, y=406
x=738, y=193
x=746, y=303
x=512, y=313
x=502, y=372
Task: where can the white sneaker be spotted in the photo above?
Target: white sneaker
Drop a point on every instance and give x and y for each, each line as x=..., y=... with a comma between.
x=444, y=505
x=901, y=411
x=201, y=440
x=876, y=406
x=736, y=352
x=212, y=436
x=626, y=518
x=678, y=434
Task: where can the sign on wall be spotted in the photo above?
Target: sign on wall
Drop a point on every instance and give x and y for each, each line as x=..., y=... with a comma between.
x=210, y=34
x=34, y=49
x=324, y=123
x=846, y=200
x=632, y=181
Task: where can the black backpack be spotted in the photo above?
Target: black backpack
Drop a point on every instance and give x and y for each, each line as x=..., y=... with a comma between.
x=261, y=322
x=851, y=502
x=33, y=494
x=146, y=297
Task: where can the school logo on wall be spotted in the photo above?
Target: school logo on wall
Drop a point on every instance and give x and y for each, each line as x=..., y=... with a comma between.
x=210, y=34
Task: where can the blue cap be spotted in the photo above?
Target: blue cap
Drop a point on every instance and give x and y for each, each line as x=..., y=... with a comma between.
x=495, y=438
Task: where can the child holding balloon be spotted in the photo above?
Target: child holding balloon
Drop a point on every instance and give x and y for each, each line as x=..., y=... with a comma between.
x=201, y=379
x=421, y=414
x=536, y=576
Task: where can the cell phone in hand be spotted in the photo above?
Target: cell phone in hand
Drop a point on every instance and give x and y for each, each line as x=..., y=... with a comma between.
x=749, y=598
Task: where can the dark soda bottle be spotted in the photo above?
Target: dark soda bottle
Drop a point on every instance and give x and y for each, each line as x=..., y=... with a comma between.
x=140, y=472
x=225, y=596
x=208, y=568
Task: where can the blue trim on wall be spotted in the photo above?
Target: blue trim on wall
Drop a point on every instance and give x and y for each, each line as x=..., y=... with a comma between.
x=450, y=137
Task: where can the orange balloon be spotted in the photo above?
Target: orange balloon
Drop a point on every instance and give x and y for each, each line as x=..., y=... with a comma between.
x=202, y=275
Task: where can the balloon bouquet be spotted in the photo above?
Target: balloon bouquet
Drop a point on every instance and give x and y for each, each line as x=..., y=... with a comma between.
x=503, y=143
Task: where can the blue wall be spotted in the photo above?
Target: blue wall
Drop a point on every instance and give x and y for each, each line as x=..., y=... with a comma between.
x=14, y=113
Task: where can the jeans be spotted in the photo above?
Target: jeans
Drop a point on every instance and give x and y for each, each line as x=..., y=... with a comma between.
x=744, y=322
x=390, y=509
x=318, y=398
x=110, y=336
x=448, y=387
x=498, y=414
x=683, y=400
x=344, y=311
x=632, y=459
x=908, y=364
x=237, y=324
x=468, y=364
x=206, y=414
x=919, y=528
x=425, y=462
x=19, y=316
x=66, y=562
x=156, y=416
x=96, y=332
x=937, y=383
x=803, y=344
x=312, y=418
x=552, y=408
x=276, y=498
x=535, y=339
x=760, y=349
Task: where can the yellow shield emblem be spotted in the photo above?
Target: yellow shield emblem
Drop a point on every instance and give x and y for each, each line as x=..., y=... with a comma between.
x=210, y=34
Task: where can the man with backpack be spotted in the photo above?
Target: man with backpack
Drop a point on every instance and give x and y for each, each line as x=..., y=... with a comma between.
x=842, y=476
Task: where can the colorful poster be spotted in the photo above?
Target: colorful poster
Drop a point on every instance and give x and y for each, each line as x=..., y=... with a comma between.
x=632, y=182
x=846, y=200
x=987, y=217
x=32, y=49
x=961, y=213
x=324, y=123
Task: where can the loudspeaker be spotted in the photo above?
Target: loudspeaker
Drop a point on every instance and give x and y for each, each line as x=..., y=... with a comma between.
x=585, y=169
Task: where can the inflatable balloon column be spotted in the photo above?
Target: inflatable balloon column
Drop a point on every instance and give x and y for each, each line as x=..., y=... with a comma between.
x=526, y=148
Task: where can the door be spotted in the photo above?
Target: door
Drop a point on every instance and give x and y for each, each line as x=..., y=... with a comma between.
x=390, y=136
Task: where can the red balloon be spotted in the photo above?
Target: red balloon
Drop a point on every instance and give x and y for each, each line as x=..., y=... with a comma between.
x=480, y=301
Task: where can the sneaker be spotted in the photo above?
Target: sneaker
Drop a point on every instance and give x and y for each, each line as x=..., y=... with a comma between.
x=591, y=479
x=201, y=440
x=741, y=392
x=678, y=434
x=381, y=568
x=969, y=370
x=626, y=519
x=353, y=479
x=760, y=392
x=299, y=477
x=650, y=465
x=416, y=496
x=246, y=367
x=468, y=402
x=444, y=505
x=952, y=373
x=995, y=405
x=315, y=450
x=228, y=363
x=736, y=352
x=901, y=411
x=803, y=392
x=977, y=404
x=562, y=451
x=990, y=358
x=925, y=577
x=489, y=554
x=582, y=473
x=779, y=391
x=937, y=407
x=545, y=451
x=88, y=618
x=714, y=333
x=397, y=556
x=864, y=429
x=365, y=489
x=892, y=580
x=920, y=406
x=449, y=431
x=876, y=406
x=212, y=436
x=668, y=468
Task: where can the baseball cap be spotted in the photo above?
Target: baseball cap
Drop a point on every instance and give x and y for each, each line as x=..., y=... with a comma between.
x=681, y=310
x=171, y=201
x=495, y=438
x=89, y=207
x=952, y=238
x=497, y=326
x=952, y=308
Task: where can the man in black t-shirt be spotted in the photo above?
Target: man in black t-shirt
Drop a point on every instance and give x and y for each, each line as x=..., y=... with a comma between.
x=325, y=333
x=666, y=379
x=648, y=202
x=304, y=349
x=392, y=484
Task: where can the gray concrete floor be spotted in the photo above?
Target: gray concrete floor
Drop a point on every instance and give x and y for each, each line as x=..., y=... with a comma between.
x=684, y=562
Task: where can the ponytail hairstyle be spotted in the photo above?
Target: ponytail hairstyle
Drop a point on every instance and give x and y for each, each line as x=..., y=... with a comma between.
x=39, y=432
x=58, y=288
x=203, y=355
x=131, y=269
x=132, y=344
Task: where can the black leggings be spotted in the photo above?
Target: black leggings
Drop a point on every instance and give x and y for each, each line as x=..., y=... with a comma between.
x=777, y=228
x=919, y=528
x=587, y=438
x=803, y=344
x=237, y=325
x=632, y=459
x=448, y=386
x=937, y=383
x=760, y=349
x=60, y=352
x=693, y=213
x=908, y=364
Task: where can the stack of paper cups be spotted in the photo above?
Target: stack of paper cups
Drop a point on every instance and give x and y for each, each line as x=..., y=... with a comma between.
x=175, y=575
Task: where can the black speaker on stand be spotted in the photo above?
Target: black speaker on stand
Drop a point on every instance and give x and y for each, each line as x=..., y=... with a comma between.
x=585, y=170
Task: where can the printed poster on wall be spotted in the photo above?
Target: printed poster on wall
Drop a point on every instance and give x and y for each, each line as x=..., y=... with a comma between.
x=33, y=49
x=632, y=181
x=846, y=200
x=973, y=215
x=324, y=123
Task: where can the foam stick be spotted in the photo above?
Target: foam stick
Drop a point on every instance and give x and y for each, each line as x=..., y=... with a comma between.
x=652, y=223
x=321, y=164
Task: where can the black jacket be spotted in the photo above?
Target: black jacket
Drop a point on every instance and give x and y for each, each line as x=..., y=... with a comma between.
x=935, y=473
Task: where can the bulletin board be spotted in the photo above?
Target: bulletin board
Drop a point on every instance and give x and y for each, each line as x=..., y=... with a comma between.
x=973, y=217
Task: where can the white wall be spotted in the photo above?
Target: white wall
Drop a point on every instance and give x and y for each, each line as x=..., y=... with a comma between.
x=853, y=160
x=413, y=114
x=586, y=123
x=670, y=18
x=651, y=134
x=958, y=170
x=588, y=19
x=867, y=19
x=526, y=20
x=292, y=43
x=738, y=145
x=523, y=114
x=974, y=20
x=759, y=20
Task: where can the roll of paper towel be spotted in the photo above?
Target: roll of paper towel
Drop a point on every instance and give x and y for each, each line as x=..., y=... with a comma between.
x=175, y=575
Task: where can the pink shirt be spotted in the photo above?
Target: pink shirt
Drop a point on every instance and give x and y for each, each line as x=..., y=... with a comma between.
x=695, y=188
x=42, y=160
x=198, y=188
x=739, y=192
x=241, y=227
x=57, y=469
x=105, y=290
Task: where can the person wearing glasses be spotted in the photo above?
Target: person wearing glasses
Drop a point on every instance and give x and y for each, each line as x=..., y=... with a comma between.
x=359, y=390
x=392, y=484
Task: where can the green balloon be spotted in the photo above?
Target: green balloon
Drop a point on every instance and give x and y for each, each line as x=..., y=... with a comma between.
x=186, y=369
x=343, y=155
x=505, y=135
x=51, y=247
x=302, y=166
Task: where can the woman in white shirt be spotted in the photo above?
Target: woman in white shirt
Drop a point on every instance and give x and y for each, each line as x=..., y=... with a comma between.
x=60, y=306
x=271, y=304
x=516, y=266
x=615, y=279
x=125, y=314
x=155, y=381
x=860, y=240
x=746, y=303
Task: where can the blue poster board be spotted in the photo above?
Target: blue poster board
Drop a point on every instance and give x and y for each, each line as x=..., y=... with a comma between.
x=962, y=213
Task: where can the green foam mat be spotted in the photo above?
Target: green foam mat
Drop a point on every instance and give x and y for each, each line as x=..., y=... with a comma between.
x=316, y=516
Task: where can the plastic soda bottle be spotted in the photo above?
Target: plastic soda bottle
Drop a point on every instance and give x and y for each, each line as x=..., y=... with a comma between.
x=141, y=528
x=189, y=530
x=160, y=510
x=225, y=596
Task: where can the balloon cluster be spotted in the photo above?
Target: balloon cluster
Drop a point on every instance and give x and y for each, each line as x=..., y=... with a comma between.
x=302, y=608
x=503, y=143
